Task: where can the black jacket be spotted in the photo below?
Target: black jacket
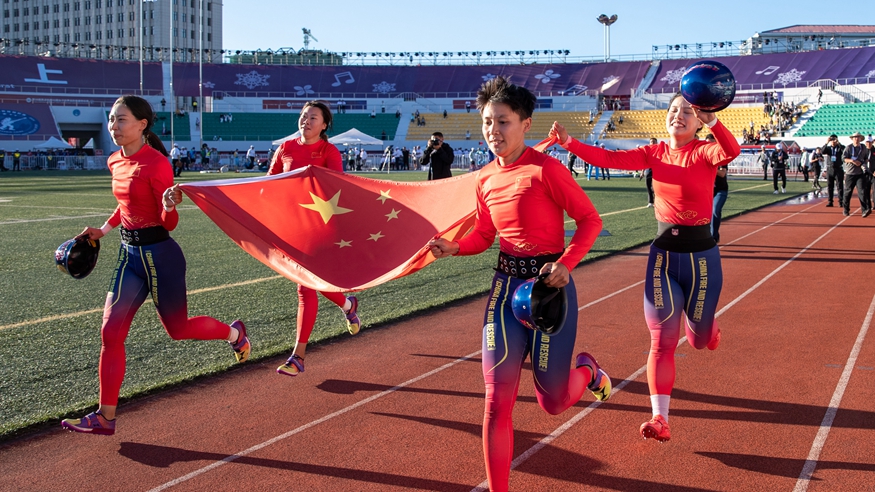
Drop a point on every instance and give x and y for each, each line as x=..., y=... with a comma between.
x=441, y=160
x=779, y=160
x=827, y=155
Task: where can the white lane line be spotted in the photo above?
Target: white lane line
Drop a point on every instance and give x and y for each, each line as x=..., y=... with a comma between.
x=68, y=217
x=97, y=310
x=834, y=402
x=313, y=423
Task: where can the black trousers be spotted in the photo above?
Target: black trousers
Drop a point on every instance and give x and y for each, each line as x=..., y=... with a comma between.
x=648, y=180
x=835, y=177
x=862, y=184
x=783, y=174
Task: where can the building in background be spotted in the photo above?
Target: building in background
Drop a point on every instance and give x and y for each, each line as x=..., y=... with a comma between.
x=108, y=29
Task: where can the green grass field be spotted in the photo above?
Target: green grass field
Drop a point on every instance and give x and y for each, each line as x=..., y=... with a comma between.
x=50, y=323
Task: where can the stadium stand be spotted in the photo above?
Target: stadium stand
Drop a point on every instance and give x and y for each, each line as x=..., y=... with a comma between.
x=455, y=125
x=181, y=126
x=649, y=123
x=271, y=126
x=840, y=119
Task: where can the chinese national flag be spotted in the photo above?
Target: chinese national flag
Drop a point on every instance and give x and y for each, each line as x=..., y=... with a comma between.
x=336, y=232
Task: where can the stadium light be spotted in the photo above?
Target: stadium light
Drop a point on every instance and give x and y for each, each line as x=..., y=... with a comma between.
x=607, y=21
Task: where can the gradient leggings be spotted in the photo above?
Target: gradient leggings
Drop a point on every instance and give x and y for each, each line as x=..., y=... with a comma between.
x=308, y=307
x=506, y=344
x=157, y=270
x=680, y=289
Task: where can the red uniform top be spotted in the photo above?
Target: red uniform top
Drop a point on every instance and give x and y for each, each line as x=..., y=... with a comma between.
x=683, y=179
x=524, y=203
x=292, y=154
x=138, y=183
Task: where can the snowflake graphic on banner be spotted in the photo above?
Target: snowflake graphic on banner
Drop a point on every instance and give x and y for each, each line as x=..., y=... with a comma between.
x=209, y=85
x=384, y=87
x=674, y=76
x=252, y=79
x=791, y=76
x=303, y=91
x=870, y=74
x=488, y=77
x=547, y=76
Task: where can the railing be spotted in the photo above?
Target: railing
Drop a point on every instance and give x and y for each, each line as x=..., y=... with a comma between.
x=57, y=162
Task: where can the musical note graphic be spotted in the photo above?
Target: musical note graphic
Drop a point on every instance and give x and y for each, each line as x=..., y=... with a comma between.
x=767, y=71
x=343, y=75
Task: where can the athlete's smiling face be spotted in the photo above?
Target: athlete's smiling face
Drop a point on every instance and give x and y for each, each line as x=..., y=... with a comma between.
x=504, y=131
x=681, y=122
x=311, y=124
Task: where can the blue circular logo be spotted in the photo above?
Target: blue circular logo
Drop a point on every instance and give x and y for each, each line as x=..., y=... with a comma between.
x=76, y=112
x=17, y=123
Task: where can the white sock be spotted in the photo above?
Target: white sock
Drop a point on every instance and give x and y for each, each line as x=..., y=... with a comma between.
x=347, y=305
x=234, y=335
x=660, y=405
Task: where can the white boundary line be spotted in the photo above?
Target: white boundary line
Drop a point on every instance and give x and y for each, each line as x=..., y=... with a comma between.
x=834, y=402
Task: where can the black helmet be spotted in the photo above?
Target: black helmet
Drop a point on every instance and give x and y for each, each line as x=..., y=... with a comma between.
x=539, y=307
x=77, y=257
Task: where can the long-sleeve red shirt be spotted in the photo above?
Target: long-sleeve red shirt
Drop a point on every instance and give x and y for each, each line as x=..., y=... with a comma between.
x=293, y=155
x=524, y=203
x=138, y=183
x=683, y=179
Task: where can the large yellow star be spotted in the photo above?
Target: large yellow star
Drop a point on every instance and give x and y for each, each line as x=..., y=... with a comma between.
x=326, y=209
x=384, y=195
x=392, y=215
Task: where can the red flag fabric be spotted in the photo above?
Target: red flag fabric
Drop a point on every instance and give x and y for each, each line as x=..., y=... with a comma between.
x=545, y=144
x=336, y=232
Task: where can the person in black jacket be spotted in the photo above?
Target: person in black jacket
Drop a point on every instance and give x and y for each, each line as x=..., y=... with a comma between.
x=439, y=155
x=835, y=175
x=779, y=167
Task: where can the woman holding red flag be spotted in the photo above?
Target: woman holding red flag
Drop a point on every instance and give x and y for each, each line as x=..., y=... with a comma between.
x=312, y=149
x=522, y=196
x=142, y=182
x=684, y=276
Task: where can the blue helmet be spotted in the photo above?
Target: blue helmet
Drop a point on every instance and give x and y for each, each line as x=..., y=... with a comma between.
x=77, y=257
x=539, y=307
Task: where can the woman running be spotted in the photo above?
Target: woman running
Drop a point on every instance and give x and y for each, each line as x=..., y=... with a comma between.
x=150, y=262
x=684, y=276
x=312, y=149
x=522, y=195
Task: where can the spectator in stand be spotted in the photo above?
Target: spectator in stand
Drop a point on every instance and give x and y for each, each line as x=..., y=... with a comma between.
x=854, y=158
x=445, y=114
x=779, y=167
x=763, y=160
x=467, y=106
x=312, y=149
x=816, y=168
x=835, y=174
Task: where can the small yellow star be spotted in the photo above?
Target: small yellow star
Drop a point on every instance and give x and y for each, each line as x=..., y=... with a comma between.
x=375, y=237
x=344, y=244
x=326, y=209
x=384, y=195
x=392, y=215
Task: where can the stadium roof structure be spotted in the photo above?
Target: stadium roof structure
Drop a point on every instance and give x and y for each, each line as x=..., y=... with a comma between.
x=822, y=29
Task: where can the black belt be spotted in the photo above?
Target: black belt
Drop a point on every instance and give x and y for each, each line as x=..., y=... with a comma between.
x=144, y=236
x=683, y=239
x=523, y=266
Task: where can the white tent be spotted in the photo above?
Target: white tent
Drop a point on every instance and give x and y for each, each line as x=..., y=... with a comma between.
x=89, y=145
x=53, y=143
x=281, y=140
x=354, y=137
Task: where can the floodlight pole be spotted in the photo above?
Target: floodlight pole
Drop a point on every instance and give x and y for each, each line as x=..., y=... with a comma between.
x=607, y=21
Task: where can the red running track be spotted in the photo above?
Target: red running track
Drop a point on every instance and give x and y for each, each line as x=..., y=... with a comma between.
x=785, y=403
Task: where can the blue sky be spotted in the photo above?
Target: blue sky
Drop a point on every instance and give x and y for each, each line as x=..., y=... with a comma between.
x=459, y=25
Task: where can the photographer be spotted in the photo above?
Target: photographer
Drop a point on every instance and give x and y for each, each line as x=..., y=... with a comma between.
x=439, y=155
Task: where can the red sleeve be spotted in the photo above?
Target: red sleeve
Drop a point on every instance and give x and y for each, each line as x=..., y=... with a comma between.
x=571, y=197
x=629, y=160
x=116, y=218
x=483, y=234
x=276, y=166
x=161, y=180
x=333, y=160
x=725, y=150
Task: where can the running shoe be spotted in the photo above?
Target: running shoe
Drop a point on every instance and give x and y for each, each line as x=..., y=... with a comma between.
x=242, y=347
x=656, y=428
x=93, y=423
x=292, y=367
x=715, y=341
x=353, y=323
x=601, y=382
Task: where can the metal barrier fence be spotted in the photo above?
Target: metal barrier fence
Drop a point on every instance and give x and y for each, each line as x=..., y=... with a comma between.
x=56, y=162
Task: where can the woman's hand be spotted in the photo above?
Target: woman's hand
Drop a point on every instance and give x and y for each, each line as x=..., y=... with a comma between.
x=704, y=116
x=172, y=197
x=558, y=274
x=90, y=233
x=559, y=132
x=441, y=248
